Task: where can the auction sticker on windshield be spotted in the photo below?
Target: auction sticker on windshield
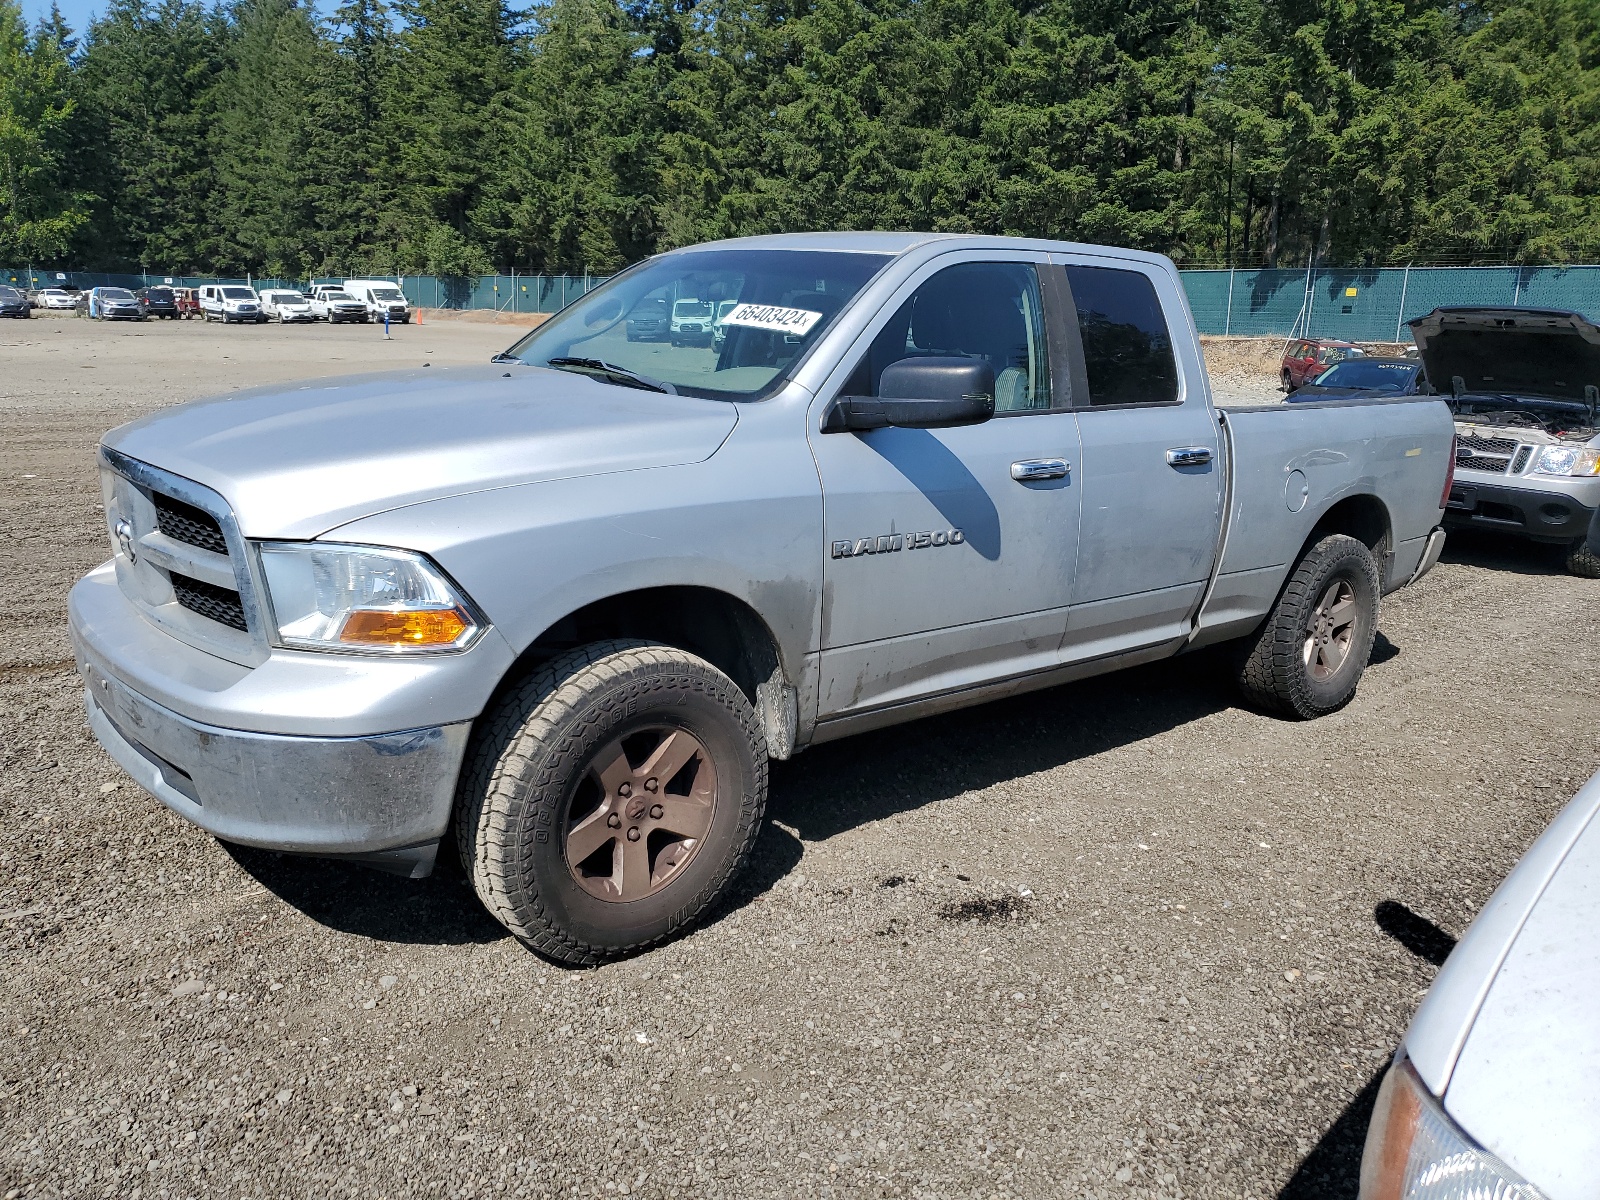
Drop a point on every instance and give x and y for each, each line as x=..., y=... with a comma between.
x=770, y=316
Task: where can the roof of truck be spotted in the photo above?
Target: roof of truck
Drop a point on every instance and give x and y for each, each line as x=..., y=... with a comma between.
x=888, y=242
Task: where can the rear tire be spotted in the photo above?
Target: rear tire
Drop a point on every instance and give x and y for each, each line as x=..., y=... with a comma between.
x=1308, y=657
x=1582, y=561
x=566, y=758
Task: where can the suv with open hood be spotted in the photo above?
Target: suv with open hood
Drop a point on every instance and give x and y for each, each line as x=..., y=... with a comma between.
x=1524, y=384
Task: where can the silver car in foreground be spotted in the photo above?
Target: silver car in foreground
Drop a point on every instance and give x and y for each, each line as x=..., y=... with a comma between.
x=1496, y=1089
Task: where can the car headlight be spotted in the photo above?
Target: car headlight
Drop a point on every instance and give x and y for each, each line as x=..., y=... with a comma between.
x=1568, y=460
x=364, y=598
x=1416, y=1152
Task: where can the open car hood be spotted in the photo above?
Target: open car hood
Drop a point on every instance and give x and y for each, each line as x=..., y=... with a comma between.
x=1545, y=353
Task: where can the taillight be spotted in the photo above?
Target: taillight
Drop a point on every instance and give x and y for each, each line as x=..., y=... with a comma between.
x=1449, y=476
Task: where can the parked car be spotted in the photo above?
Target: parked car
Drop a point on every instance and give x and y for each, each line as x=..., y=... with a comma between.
x=382, y=297
x=111, y=304
x=13, y=303
x=691, y=323
x=649, y=320
x=286, y=306
x=1524, y=384
x=336, y=307
x=56, y=299
x=230, y=303
x=591, y=589
x=719, y=331
x=1379, y=378
x=1496, y=1087
x=188, y=302
x=158, y=302
x=1306, y=358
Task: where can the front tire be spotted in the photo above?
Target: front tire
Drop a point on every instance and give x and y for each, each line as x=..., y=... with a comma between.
x=1307, y=658
x=610, y=799
x=1582, y=561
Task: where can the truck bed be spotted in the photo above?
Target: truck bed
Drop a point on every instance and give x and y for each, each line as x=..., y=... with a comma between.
x=1291, y=465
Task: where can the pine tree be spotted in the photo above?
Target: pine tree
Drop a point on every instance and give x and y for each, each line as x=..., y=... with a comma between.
x=40, y=209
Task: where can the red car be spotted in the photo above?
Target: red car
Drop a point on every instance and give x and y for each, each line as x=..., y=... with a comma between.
x=188, y=303
x=1306, y=358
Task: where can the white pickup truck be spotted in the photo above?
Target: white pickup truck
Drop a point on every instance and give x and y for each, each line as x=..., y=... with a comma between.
x=568, y=605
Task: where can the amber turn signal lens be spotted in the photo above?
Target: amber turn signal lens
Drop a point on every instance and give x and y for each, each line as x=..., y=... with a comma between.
x=405, y=627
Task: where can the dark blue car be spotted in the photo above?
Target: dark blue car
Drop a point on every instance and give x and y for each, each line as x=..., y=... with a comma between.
x=1375, y=377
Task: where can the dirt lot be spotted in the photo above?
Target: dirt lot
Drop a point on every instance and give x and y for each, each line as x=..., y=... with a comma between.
x=1120, y=938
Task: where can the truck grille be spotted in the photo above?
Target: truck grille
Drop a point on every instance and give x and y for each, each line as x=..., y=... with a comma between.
x=178, y=561
x=185, y=523
x=218, y=604
x=1486, y=454
x=1520, y=463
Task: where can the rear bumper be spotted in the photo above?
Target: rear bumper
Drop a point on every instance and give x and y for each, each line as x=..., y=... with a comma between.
x=1546, y=516
x=383, y=799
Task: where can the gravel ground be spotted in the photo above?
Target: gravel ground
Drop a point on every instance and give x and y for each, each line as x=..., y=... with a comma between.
x=1119, y=938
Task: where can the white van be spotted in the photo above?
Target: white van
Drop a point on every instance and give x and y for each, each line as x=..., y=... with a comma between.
x=382, y=297
x=229, y=302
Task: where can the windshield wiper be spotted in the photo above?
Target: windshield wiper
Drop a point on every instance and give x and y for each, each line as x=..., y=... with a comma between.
x=612, y=372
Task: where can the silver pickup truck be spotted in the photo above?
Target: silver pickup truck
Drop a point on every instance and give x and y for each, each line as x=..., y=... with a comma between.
x=568, y=605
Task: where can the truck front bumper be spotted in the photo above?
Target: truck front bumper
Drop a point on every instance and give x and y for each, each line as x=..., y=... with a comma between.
x=1556, y=515
x=324, y=754
x=384, y=800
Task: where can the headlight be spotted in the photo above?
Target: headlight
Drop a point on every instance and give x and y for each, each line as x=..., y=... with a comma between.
x=1416, y=1152
x=363, y=598
x=1568, y=460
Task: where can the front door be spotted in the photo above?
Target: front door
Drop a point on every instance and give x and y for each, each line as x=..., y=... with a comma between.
x=949, y=552
x=1151, y=475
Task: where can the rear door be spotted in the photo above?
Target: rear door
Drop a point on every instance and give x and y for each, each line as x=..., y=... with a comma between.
x=1150, y=474
x=949, y=552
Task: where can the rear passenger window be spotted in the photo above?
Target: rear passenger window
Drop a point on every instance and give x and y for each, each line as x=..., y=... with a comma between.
x=1127, y=350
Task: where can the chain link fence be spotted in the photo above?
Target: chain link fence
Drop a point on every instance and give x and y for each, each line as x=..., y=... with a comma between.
x=1373, y=305
x=1359, y=305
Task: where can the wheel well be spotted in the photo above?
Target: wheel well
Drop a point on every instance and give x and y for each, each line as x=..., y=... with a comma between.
x=723, y=630
x=1364, y=518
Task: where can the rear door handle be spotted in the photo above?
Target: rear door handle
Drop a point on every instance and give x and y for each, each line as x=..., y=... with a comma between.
x=1188, y=456
x=1031, y=470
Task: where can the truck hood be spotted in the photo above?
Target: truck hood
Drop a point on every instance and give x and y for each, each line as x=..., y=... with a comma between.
x=297, y=461
x=1533, y=352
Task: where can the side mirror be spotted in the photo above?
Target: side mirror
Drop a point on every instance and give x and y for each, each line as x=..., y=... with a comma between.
x=920, y=393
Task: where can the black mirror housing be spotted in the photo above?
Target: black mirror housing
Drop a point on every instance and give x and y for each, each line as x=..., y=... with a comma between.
x=920, y=393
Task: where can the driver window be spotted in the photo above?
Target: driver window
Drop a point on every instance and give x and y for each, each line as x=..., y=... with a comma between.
x=979, y=310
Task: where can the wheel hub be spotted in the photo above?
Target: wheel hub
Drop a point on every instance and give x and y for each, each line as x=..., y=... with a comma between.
x=640, y=813
x=1331, y=630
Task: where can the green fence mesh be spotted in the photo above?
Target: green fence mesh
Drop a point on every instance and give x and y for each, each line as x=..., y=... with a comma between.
x=1358, y=305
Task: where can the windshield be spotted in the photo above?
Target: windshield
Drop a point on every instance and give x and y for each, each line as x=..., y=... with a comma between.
x=288, y=298
x=9, y=293
x=336, y=296
x=784, y=299
x=387, y=295
x=238, y=293
x=1375, y=374
x=115, y=294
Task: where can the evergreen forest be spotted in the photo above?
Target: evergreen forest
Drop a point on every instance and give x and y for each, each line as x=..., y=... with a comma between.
x=460, y=137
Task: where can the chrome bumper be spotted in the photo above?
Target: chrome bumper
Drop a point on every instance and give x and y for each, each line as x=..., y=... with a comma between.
x=384, y=799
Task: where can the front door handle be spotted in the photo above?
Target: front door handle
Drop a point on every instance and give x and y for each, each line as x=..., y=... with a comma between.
x=1031, y=470
x=1188, y=456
